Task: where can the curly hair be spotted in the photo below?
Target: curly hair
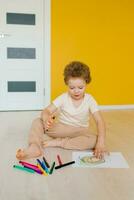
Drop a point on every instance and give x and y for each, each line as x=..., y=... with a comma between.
x=77, y=69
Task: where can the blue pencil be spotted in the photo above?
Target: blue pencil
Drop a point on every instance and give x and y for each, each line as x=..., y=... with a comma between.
x=45, y=161
x=45, y=167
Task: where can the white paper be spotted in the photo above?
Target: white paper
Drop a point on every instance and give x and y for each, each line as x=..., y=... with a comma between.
x=114, y=160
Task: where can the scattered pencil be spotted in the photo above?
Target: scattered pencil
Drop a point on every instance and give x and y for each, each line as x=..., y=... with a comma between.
x=43, y=171
x=23, y=163
x=42, y=166
x=45, y=161
x=59, y=160
x=23, y=168
x=36, y=170
x=29, y=165
x=52, y=168
x=45, y=167
x=65, y=164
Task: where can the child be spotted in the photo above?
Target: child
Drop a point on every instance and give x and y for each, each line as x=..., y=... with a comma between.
x=72, y=110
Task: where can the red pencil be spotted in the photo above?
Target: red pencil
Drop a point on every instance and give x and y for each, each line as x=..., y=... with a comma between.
x=59, y=160
x=26, y=163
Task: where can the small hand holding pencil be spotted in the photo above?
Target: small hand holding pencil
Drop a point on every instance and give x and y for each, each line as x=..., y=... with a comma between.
x=49, y=122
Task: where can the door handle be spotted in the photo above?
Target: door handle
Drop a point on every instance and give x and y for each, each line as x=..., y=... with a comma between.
x=2, y=35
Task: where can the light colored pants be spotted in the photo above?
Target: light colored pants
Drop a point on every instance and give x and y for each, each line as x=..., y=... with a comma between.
x=70, y=137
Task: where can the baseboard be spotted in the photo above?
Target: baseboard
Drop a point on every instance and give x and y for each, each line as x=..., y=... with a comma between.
x=116, y=107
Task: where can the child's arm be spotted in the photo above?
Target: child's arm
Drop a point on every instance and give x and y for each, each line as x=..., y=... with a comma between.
x=100, y=148
x=47, y=115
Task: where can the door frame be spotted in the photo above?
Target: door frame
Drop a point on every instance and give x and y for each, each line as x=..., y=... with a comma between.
x=47, y=51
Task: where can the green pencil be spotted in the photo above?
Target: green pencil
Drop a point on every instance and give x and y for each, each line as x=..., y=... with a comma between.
x=23, y=168
x=52, y=168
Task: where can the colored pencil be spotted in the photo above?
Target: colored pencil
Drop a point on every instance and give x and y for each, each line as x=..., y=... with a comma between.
x=52, y=168
x=45, y=161
x=59, y=160
x=44, y=167
x=43, y=171
x=65, y=164
x=30, y=166
x=24, y=169
x=22, y=162
x=36, y=170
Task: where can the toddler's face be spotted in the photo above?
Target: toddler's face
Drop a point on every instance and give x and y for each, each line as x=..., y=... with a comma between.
x=76, y=88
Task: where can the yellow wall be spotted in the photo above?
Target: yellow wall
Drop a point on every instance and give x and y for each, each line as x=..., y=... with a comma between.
x=101, y=34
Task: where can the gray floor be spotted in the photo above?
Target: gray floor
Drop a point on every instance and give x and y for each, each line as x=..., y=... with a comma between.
x=67, y=183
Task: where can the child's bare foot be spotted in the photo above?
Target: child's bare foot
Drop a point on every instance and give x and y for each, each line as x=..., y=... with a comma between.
x=31, y=152
x=20, y=154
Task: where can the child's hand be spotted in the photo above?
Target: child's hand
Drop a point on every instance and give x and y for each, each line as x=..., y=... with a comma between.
x=49, y=122
x=100, y=150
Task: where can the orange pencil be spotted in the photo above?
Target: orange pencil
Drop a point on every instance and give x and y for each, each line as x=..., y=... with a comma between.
x=41, y=169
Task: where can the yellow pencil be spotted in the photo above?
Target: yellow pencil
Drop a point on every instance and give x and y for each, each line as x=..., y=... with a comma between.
x=41, y=169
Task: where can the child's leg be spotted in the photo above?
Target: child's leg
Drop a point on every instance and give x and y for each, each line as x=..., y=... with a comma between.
x=70, y=137
x=80, y=143
x=34, y=148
